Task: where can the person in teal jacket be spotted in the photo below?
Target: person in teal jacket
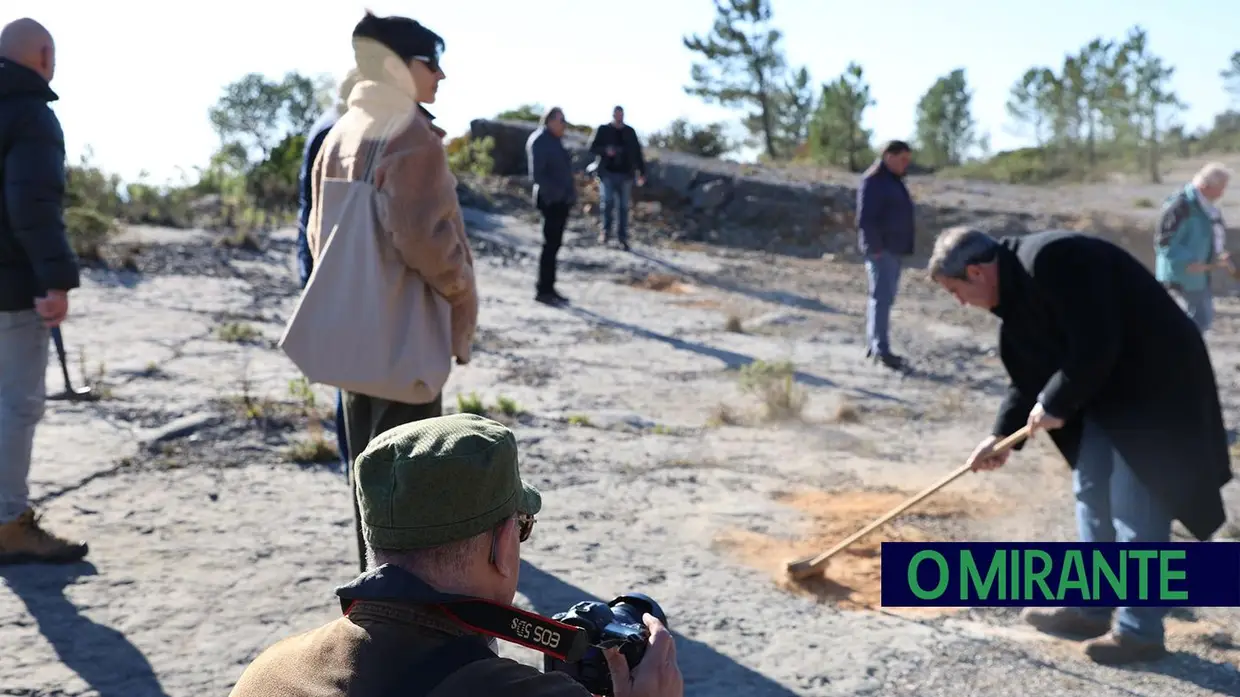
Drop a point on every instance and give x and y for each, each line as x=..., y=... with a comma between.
x=1191, y=242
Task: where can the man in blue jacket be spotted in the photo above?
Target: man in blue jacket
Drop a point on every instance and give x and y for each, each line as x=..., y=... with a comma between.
x=37, y=270
x=551, y=168
x=1191, y=242
x=885, y=231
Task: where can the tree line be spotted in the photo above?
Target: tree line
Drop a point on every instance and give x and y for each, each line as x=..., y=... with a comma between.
x=1108, y=105
x=249, y=183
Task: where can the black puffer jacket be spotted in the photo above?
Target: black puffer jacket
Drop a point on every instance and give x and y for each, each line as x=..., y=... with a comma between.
x=35, y=255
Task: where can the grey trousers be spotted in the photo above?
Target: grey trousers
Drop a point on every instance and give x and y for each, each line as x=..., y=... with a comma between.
x=1198, y=304
x=23, y=388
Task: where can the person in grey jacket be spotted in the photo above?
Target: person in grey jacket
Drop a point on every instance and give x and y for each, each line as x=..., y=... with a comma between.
x=555, y=192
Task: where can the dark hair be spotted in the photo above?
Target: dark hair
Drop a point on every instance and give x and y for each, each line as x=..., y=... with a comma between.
x=891, y=147
x=895, y=147
x=405, y=38
x=551, y=114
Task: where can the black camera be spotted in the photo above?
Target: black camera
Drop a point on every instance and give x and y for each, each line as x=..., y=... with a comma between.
x=616, y=624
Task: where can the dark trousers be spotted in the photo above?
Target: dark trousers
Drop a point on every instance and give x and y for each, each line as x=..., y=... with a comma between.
x=555, y=217
x=365, y=417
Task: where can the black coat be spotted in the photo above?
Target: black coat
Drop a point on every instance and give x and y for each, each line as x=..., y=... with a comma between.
x=35, y=255
x=628, y=158
x=1086, y=329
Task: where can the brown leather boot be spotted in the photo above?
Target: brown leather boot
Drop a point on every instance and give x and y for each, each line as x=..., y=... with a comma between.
x=1114, y=648
x=22, y=540
x=1065, y=621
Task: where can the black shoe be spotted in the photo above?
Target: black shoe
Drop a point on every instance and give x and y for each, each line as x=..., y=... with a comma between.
x=625, y=246
x=559, y=298
x=888, y=360
x=550, y=299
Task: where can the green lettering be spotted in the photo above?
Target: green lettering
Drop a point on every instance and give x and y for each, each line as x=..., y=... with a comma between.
x=1119, y=584
x=1143, y=557
x=912, y=574
x=969, y=576
x=1075, y=565
x=1032, y=577
x=1014, y=593
x=1165, y=574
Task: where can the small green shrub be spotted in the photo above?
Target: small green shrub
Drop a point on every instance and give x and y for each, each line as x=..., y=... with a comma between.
x=89, y=231
x=470, y=404
x=775, y=384
x=467, y=155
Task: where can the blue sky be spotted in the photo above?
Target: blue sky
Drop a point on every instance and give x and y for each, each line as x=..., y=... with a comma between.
x=136, y=77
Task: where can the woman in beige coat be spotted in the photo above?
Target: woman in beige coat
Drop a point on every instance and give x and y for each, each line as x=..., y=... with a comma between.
x=398, y=60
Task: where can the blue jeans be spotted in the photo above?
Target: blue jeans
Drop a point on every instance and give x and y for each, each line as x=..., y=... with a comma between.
x=615, y=190
x=1112, y=505
x=305, y=262
x=342, y=440
x=884, y=275
x=1198, y=305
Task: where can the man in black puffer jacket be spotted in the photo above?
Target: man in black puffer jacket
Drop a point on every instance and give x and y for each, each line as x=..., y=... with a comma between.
x=37, y=271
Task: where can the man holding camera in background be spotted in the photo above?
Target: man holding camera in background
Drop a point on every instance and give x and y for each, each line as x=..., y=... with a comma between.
x=443, y=513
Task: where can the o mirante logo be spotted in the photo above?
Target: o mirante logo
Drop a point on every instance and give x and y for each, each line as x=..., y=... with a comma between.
x=980, y=574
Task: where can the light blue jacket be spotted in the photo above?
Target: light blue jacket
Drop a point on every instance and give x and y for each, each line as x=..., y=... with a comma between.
x=1185, y=236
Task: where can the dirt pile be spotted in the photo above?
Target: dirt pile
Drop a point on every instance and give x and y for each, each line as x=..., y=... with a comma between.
x=853, y=577
x=662, y=283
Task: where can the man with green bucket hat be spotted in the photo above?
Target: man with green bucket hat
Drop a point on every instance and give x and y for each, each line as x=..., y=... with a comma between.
x=443, y=512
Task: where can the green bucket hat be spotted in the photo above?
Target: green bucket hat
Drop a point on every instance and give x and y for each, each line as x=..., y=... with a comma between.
x=439, y=480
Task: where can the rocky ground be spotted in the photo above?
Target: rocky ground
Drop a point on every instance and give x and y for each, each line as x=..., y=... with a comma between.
x=669, y=465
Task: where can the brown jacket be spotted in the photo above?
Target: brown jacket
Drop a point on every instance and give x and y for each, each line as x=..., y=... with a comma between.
x=418, y=205
x=360, y=655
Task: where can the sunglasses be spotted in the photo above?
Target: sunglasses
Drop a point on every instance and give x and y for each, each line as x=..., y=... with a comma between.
x=525, y=524
x=525, y=528
x=431, y=62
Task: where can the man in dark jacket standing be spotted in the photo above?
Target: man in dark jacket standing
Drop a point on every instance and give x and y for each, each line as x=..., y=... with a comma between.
x=620, y=158
x=1086, y=336
x=885, y=235
x=551, y=168
x=37, y=271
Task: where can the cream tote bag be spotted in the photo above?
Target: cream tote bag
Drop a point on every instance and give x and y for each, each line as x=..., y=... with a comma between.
x=366, y=322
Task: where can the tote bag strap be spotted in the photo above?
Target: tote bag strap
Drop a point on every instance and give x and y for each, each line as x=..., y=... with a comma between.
x=375, y=146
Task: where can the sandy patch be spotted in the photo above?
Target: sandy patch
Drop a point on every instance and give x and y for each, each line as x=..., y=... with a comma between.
x=852, y=579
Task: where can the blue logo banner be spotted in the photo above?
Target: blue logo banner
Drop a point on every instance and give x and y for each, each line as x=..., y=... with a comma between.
x=1048, y=574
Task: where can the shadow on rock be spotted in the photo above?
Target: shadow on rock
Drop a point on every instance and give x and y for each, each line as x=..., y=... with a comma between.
x=705, y=671
x=731, y=359
x=100, y=655
x=1193, y=669
x=780, y=297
